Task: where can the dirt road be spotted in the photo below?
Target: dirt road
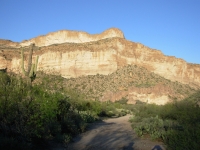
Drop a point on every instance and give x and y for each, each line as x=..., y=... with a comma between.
x=113, y=134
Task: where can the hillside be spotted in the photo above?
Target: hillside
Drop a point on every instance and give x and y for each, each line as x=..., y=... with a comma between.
x=102, y=57
x=131, y=82
x=106, y=66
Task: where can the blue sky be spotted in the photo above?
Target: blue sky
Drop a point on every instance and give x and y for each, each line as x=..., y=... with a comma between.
x=172, y=26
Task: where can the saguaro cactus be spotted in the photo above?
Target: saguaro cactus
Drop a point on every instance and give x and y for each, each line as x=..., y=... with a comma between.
x=32, y=68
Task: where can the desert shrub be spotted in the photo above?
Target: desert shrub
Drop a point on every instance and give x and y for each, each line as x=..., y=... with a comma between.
x=177, y=124
x=146, y=110
x=123, y=100
x=154, y=126
x=188, y=137
x=32, y=114
x=88, y=117
x=107, y=110
x=95, y=109
x=13, y=143
x=114, y=109
x=187, y=134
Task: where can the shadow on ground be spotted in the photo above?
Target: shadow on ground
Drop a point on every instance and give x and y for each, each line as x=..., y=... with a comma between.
x=111, y=134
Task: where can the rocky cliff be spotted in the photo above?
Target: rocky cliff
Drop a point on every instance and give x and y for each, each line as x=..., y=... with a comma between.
x=83, y=54
x=131, y=82
x=101, y=53
x=8, y=44
x=64, y=36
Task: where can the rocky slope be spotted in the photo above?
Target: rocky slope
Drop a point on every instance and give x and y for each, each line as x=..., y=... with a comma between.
x=8, y=44
x=132, y=83
x=75, y=54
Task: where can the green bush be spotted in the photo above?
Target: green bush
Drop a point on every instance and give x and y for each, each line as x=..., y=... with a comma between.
x=32, y=115
x=186, y=138
x=177, y=124
x=154, y=126
x=123, y=100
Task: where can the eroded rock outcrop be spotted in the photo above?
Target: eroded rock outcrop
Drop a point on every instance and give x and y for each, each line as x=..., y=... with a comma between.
x=157, y=94
x=104, y=57
x=64, y=36
x=8, y=44
x=82, y=54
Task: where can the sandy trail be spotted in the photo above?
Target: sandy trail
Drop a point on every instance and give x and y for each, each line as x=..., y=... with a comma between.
x=113, y=134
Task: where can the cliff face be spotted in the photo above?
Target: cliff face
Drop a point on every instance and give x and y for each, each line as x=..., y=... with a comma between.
x=98, y=54
x=8, y=44
x=104, y=57
x=64, y=36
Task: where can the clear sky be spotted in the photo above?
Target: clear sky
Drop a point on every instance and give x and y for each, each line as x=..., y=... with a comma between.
x=172, y=26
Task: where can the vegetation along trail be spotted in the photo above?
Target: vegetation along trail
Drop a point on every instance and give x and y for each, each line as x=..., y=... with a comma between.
x=113, y=134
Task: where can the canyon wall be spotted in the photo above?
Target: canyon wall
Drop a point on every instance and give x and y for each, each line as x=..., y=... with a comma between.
x=64, y=36
x=72, y=54
x=99, y=54
x=105, y=56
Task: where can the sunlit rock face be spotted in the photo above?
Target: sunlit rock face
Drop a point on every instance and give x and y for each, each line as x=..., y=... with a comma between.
x=157, y=94
x=105, y=56
x=83, y=54
x=78, y=63
x=3, y=64
x=100, y=53
x=64, y=36
x=8, y=43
